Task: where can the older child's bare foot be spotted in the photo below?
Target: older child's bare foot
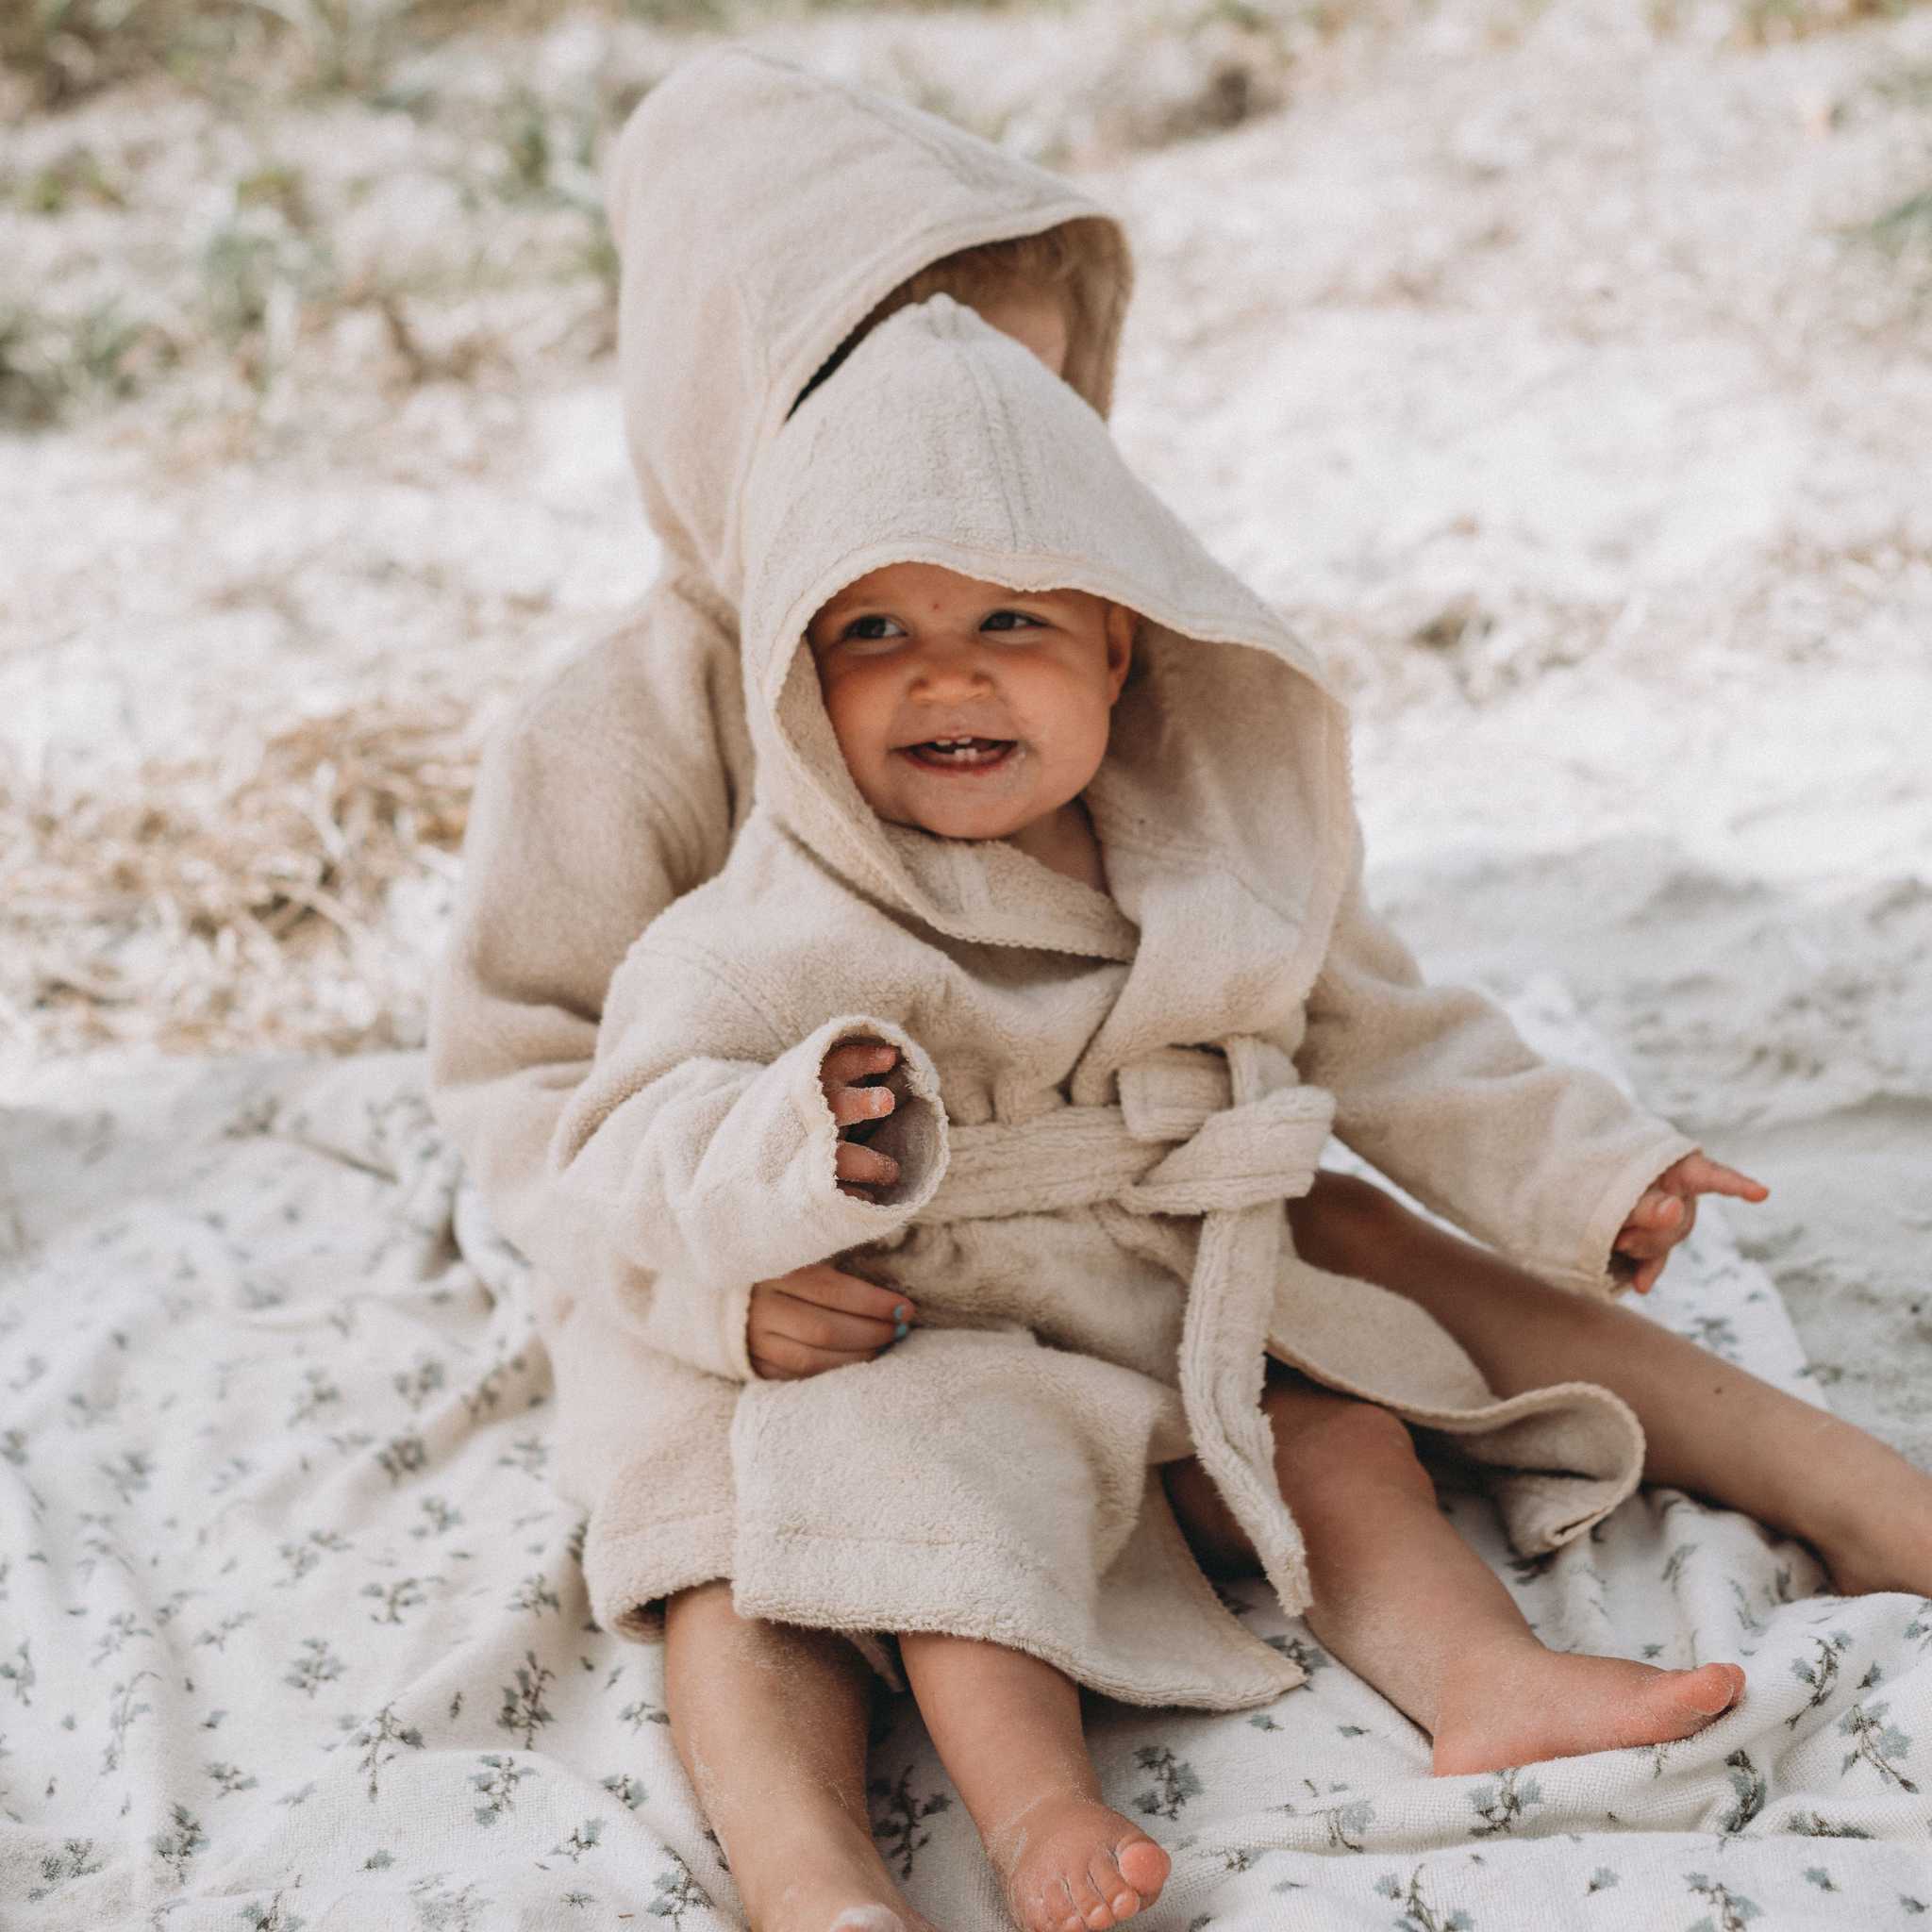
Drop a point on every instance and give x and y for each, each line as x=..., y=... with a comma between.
x=826, y=1878
x=1069, y=1864
x=1533, y=1704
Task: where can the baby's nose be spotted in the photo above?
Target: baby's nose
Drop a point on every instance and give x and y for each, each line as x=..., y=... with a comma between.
x=953, y=673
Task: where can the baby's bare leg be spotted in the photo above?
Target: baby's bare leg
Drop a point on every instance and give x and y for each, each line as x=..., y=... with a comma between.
x=1712, y=1427
x=1411, y=1609
x=1007, y=1728
x=771, y=1723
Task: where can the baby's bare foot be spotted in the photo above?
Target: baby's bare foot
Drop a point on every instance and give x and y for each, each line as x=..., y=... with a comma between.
x=821, y=1877
x=1536, y=1704
x=1069, y=1864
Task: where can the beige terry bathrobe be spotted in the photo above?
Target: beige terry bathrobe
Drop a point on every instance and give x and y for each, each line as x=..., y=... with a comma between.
x=1106, y=1103
x=761, y=213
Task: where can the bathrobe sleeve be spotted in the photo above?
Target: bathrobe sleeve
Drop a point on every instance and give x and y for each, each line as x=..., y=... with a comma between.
x=608, y=793
x=709, y=1157
x=1433, y=1084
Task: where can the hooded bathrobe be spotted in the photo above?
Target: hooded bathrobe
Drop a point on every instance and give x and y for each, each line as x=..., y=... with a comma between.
x=619, y=783
x=1106, y=1102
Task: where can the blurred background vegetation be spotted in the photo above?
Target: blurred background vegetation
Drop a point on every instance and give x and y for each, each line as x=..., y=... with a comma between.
x=301, y=300
x=199, y=183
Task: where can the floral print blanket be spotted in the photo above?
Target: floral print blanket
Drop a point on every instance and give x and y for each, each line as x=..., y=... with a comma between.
x=291, y=1634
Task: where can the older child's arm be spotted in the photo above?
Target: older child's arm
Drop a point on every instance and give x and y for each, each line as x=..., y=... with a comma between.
x=600, y=801
x=1548, y=1164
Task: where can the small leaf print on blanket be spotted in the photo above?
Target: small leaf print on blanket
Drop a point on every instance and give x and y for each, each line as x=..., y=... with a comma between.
x=252, y=1674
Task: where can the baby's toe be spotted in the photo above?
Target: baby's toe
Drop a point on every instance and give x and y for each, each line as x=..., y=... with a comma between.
x=1144, y=1865
x=1067, y=1917
x=1063, y=1907
x=1111, y=1889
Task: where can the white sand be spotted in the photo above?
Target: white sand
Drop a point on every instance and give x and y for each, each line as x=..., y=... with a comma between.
x=1523, y=359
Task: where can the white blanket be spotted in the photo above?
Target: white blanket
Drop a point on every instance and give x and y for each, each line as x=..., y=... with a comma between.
x=291, y=1634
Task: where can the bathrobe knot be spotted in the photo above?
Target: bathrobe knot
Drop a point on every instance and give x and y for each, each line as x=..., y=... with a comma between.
x=1175, y=1145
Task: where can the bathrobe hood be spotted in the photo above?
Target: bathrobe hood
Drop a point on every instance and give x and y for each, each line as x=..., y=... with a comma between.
x=760, y=213
x=944, y=442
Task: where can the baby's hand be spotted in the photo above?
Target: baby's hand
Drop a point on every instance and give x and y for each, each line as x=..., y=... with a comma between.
x=859, y=1169
x=1668, y=1211
x=817, y=1318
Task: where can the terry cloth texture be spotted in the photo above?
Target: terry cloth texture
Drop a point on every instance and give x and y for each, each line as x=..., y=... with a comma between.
x=292, y=1628
x=1106, y=1103
x=619, y=782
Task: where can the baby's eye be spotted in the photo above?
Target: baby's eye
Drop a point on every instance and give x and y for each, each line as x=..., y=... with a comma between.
x=1011, y=620
x=875, y=629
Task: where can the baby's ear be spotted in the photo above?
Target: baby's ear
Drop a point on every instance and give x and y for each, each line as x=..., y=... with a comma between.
x=1123, y=629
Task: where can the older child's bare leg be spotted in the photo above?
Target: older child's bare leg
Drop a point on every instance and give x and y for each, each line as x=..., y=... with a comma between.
x=1411, y=1607
x=771, y=1724
x=1712, y=1427
x=1007, y=1728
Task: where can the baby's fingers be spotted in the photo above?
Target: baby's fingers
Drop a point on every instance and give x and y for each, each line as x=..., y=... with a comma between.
x=832, y=1288
x=1695, y=1175
x=1638, y=1273
x=832, y=1331
x=851, y=1105
x=1656, y=1213
x=782, y=1360
x=860, y=1168
x=1648, y=1272
x=853, y=1061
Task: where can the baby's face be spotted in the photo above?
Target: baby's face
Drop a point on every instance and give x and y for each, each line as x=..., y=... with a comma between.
x=962, y=708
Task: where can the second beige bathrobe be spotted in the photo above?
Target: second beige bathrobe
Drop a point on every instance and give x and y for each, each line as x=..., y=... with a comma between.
x=1106, y=1103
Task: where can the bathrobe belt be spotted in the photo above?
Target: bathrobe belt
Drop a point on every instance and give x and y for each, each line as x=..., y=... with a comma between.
x=1229, y=1135
x=1176, y=1143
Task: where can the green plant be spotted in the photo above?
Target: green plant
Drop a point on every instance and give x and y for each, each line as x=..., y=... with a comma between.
x=52, y=364
x=1905, y=227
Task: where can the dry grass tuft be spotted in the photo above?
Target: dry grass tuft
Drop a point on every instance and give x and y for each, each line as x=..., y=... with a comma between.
x=223, y=905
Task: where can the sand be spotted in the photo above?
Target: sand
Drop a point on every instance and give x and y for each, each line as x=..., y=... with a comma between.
x=1543, y=363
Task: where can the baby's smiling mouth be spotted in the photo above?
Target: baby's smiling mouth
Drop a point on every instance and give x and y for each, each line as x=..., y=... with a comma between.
x=958, y=754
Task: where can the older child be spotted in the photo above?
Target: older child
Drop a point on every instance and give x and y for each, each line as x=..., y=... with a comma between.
x=1107, y=954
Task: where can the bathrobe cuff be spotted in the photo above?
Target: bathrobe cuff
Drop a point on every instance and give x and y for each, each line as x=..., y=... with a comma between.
x=702, y=1325
x=914, y=1134
x=790, y=1209
x=1589, y=1270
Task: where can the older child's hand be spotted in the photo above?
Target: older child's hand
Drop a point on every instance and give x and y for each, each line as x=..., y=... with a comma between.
x=1668, y=1211
x=854, y=1107
x=817, y=1318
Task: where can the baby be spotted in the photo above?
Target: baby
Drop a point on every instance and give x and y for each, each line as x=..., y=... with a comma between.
x=1032, y=986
